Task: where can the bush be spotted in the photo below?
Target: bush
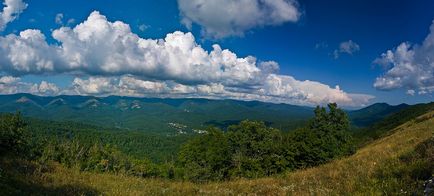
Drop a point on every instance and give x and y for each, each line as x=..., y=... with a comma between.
x=206, y=157
x=86, y=157
x=325, y=138
x=256, y=150
x=13, y=138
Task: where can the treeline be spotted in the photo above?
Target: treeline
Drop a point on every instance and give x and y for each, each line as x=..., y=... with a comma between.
x=249, y=149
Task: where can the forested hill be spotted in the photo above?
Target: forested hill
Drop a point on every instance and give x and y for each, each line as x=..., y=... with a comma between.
x=172, y=116
x=373, y=113
x=158, y=115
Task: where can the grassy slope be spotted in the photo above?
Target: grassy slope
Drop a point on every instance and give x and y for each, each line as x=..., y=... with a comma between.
x=355, y=174
x=381, y=128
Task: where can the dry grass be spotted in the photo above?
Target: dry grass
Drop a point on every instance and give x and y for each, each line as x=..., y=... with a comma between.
x=353, y=175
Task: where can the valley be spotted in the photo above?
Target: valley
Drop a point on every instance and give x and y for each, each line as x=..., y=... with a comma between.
x=173, y=116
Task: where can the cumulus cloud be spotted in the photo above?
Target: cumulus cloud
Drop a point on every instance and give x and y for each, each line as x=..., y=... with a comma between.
x=222, y=18
x=411, y=92
x=100, y=47
x=8, y=80
x=93, y=86
x=282, y=88
x=110, y=59
x=276, y=88
x=12, y=85
x=45, y=88
x=124, y=85
x=11, y=10
x=347, y=47
x=27, y=52
x=409, y=66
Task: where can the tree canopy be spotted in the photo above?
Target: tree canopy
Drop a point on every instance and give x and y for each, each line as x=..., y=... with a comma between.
x=249, y=149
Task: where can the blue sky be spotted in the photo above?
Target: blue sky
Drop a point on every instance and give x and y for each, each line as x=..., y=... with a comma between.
x=305, y=43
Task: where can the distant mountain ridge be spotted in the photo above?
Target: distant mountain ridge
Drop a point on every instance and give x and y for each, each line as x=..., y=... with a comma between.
x=173, y=116
x=373, y=113
x=157, y=115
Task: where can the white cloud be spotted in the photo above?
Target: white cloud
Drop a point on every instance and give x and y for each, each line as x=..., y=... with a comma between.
x=411, y=92
x=287, y=89
x=27, y=53
x=8, y=85
x=409, y=66
x=44, y=88
x=12, y=85
x=11, y=10
x=133, y=86
x=222, y=18
x=347, y=47
x=110, y=59
x=277, y=88
x=100, y=47
x=8, y=80
x=93, y=86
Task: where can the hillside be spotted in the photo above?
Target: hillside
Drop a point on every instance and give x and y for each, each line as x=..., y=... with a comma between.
x=382, y=127
x=390, y=165
x=373, y=113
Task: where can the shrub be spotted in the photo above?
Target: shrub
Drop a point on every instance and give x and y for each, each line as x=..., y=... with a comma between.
x=325, y=138
x=256, y=150
x=13, y=138
x=206, y=157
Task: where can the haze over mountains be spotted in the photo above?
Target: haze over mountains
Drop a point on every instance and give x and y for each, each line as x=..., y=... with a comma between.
x=173, y=116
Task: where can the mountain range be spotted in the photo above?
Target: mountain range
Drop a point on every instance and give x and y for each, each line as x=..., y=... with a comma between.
x=173, y=116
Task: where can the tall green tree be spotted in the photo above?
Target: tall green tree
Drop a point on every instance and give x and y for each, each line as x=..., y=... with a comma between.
x=12, y=133
x=325, y=138
x=256, y=150
x=206, y=157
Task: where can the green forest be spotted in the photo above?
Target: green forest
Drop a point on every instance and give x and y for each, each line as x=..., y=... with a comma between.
x=248, y=150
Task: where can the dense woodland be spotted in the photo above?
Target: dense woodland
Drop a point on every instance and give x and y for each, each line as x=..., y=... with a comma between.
x=137, y=144
x=249, y=149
